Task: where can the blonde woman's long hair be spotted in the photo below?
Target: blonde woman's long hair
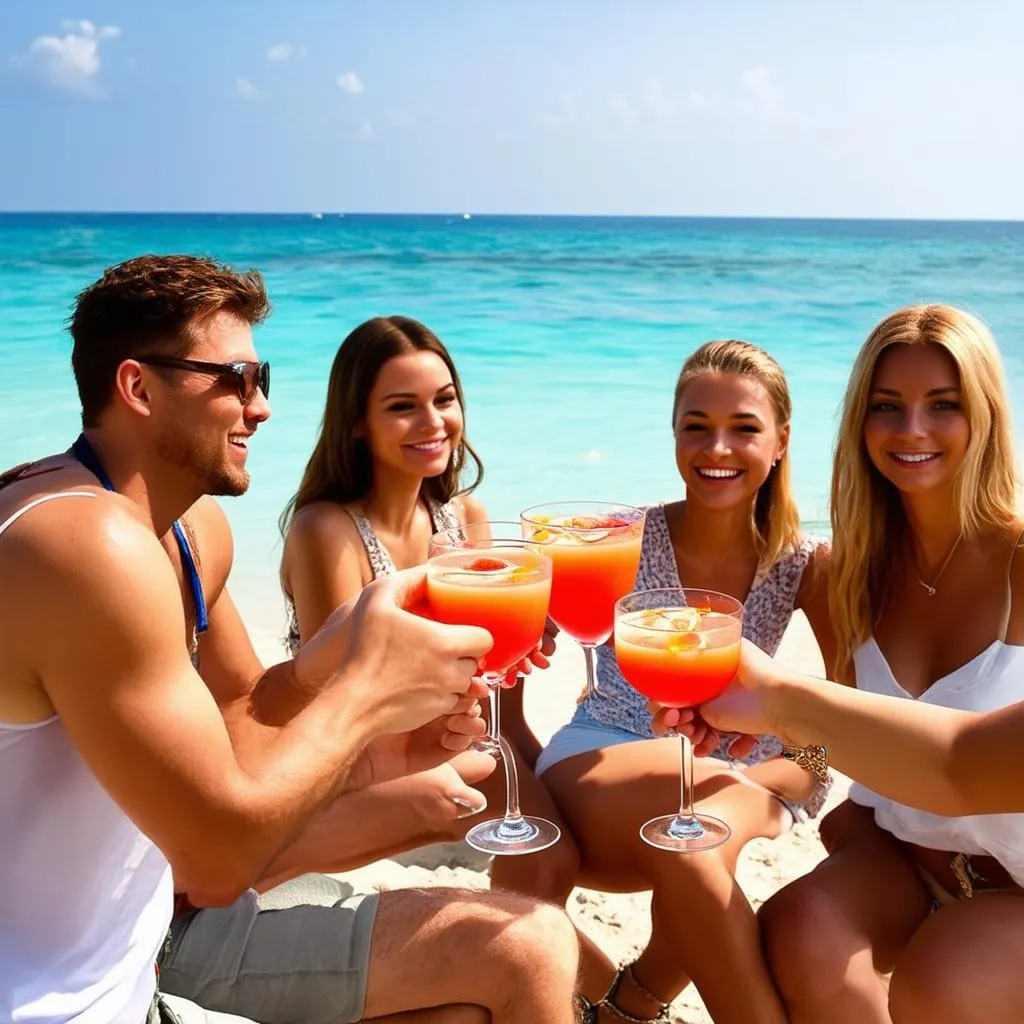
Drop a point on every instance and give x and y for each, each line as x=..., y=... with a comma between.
x=868, y=520
x=774, y=520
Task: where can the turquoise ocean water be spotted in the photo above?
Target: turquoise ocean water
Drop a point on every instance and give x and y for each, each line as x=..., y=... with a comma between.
x=568, y=332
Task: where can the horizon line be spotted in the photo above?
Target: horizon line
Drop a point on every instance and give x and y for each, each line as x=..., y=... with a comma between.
x=470, y=214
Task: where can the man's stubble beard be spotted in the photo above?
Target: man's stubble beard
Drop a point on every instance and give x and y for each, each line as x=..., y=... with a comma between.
x=206, y=462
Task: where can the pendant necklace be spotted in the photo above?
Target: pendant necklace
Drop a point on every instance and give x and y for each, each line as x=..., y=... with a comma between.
x=930, y=587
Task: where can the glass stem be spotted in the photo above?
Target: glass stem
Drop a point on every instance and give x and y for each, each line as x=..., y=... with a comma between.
x=513, y=816
x=588, y=658
x=494, y=725
x=686, y=781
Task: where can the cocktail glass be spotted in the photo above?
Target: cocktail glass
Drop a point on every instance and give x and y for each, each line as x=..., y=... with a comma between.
x=460, y=536
x=595, y=550
x=680, y=647
x=504, y=586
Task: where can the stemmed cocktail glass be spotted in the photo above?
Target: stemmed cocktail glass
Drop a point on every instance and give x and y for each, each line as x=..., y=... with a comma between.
x=502, y=584
x=680, y=647
x=460, y=536
x=595, y=551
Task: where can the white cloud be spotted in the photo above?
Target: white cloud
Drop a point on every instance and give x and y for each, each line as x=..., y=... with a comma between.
x=245, y=90
x=71, y=61
x=351, y=82
x=280, y=51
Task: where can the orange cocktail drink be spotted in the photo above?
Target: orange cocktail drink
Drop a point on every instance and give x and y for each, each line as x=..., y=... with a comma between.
x=593, y=567
x=504, y=590
x=678, y=657
x=680, y=647
x=504, y=585
x=595, y=553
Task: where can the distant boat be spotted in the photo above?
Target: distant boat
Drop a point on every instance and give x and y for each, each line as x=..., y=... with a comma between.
x=317, y=216
x=466, y=216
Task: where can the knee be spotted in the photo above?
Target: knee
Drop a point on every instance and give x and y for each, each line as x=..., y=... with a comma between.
x=549, y=875
x=539, y=947
x=933, y=989
x=805, y=938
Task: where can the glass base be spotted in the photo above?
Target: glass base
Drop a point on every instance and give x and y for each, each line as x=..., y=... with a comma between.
x=685, y=835
x=511, y=838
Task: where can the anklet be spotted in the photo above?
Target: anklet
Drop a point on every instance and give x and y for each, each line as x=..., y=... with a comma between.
x=661, y=1017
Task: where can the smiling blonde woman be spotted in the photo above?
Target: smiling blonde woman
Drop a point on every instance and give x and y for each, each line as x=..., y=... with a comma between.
x=927, y=598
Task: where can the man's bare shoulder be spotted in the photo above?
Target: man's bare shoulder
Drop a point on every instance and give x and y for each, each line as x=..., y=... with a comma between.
x=94, y=539
x=26, y=483
x=64, y=568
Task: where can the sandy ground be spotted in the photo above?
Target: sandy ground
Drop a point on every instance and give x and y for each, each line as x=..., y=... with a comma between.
x=619, y=923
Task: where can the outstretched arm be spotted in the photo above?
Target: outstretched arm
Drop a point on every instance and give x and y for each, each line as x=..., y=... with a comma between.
x=944, y=761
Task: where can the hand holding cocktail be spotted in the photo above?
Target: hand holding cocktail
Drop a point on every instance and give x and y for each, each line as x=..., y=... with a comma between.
x=746, y=707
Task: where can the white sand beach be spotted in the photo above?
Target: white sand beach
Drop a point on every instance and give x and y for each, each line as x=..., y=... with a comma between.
x=618, y=923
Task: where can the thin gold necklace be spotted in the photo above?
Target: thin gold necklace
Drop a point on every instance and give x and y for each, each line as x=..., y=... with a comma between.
x=930, y=587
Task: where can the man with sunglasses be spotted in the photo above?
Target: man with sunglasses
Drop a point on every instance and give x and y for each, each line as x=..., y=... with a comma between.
x=144, y=749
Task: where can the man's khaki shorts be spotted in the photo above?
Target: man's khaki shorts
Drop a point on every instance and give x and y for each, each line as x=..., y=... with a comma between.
x=299, y=954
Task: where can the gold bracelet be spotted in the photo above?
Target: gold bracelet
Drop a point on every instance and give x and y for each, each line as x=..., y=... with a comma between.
x=812, y=758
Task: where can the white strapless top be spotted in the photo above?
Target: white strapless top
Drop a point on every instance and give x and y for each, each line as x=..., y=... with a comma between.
x=992, y=680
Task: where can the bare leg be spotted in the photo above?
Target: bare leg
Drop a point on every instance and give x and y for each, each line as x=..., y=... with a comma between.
x=548, y=875
x=832, y=936
x=438, y=1015
x=964, y=965
x=702, y=924
x=511, y=956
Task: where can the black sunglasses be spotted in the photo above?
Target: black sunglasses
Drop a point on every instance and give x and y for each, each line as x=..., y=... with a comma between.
x=247, y=376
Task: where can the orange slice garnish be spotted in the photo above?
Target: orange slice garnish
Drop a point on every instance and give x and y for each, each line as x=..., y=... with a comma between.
x=685, y=642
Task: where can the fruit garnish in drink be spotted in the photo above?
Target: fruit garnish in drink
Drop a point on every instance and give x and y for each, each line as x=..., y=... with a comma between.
x=687, y=642
x=488, y=565
x=495, y=570
x=684, y=620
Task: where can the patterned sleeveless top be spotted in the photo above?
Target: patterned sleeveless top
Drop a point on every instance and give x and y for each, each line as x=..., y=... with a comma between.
x=766, y=614
x=442, y=517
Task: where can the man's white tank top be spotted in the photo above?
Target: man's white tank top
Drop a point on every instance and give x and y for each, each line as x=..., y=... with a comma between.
x=992, y=680
x=85, y=897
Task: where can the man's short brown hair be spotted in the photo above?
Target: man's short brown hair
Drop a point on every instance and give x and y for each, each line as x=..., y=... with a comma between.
x=150, y=305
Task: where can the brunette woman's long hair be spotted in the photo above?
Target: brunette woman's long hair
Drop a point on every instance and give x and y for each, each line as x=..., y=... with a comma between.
x=341, y=467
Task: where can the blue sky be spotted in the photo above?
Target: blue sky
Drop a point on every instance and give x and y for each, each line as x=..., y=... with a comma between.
x=904, y=108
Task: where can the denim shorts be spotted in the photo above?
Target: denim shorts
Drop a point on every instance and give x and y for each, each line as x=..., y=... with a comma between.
x=581, y=737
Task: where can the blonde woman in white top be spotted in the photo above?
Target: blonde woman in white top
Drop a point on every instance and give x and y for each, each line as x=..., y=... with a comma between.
x=927, y=598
